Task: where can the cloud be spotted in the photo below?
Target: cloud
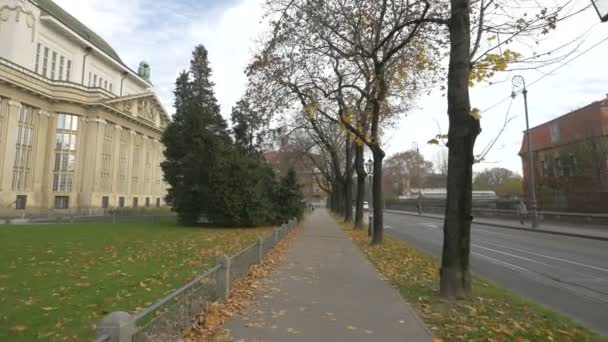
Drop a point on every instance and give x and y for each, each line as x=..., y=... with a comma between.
x=165, y=33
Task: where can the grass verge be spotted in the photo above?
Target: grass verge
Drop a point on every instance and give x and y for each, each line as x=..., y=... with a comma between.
x=58, y=280
x=493, y=314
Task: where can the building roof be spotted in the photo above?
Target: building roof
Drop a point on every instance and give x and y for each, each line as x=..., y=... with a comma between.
x=75, y=25
x=590, y=120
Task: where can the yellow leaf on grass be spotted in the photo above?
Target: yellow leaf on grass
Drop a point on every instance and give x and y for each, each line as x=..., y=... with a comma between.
x=18, y=328
x=48, y=308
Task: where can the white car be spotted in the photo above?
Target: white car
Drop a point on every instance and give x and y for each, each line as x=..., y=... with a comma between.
x=365, y=205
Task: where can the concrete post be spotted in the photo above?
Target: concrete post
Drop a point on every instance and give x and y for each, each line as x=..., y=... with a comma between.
x=260, y=250
x=276, y=235
x=119, y=326
x=223, y=277
x=370, y=225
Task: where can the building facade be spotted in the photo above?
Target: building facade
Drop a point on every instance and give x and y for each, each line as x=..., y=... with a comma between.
x=570, y=155
x=79, y=130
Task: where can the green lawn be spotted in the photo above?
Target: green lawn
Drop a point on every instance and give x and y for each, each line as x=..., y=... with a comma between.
x=58, y=281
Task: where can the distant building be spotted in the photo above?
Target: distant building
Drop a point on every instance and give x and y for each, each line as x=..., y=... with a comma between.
x=79, y=129
x=570, y=160
x=308, y=175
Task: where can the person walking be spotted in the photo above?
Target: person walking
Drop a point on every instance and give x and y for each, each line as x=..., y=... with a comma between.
x=522, y=211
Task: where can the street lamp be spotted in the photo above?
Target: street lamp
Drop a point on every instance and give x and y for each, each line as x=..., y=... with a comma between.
x=370, y=170
x=601, y=7
x=520, y=83
x=418, y=180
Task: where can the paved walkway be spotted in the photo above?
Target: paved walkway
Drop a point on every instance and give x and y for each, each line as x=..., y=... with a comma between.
x=326, y=290
x=586, y=230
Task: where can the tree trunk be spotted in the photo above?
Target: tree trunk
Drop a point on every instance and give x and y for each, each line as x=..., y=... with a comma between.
x=359, y=167
x=377, y=196
x=348, y=182
x=455, y=274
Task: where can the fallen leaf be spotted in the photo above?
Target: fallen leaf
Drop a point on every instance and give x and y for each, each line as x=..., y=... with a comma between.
x=18, y=328
x=350, y=327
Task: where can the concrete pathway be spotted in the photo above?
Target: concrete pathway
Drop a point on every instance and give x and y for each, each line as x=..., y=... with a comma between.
x=598, y=232
x=326, y=290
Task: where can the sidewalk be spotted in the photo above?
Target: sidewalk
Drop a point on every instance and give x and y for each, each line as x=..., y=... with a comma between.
x=326, y=290
x=587, y=231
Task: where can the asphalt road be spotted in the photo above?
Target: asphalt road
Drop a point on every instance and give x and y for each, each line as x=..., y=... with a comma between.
x=567, y=274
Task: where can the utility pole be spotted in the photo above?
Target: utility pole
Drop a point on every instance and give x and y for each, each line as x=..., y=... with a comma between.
x=519, y=82
x=419, y=202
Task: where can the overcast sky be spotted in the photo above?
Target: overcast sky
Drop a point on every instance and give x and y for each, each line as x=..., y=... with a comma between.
x=164, y=33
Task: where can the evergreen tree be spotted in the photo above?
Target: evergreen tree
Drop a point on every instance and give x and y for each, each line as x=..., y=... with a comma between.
x=290, y=197
x=247, y=126
x=194, y=141
x=210, y=175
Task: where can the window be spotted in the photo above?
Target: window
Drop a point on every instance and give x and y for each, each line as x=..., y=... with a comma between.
x=61, y=60
x=20, y=202
x=105, y=202
x=53, y=64
x=147, y=201
x=559, y=170
x=554, y=133
x=68, y=70
x=105, y=84
x=158, y=202
x=65, y=152
x=62, y=202
x=100, y=82
x=573, y=165
x=110, y=86
x=37, y=58
x=106, y=158
x=135, y=202
x=544, y=168
x=121, y=202
x=23, y=152
x=45, y=61
x=90, y=78
x=94, y=81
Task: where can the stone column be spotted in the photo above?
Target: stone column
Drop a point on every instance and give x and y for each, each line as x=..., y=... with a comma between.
x=130, y=159
x=49, y=162
x=144, y=170
x=90, y=173
x=41, y=150
x=11, y=121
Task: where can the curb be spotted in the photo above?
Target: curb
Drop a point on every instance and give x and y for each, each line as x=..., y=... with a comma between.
x=542, y=231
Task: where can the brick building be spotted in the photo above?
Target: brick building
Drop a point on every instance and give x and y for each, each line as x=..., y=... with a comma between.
x=570, y=160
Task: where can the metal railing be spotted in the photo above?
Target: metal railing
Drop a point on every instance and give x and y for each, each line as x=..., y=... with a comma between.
x=555, y=216
x=167, y=319
x=85, y=217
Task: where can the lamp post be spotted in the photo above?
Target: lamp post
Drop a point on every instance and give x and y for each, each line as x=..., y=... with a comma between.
x=370, y=170
x=419, y=201
x=520, y=83
x=601, y=7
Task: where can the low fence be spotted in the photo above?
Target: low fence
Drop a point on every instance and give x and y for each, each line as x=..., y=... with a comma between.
x=167, y=319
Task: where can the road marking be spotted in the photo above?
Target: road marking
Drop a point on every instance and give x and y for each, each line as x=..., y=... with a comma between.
x=589, y=293
x=550, y=257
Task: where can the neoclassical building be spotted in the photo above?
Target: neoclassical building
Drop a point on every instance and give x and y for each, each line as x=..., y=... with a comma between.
x=79, y=129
